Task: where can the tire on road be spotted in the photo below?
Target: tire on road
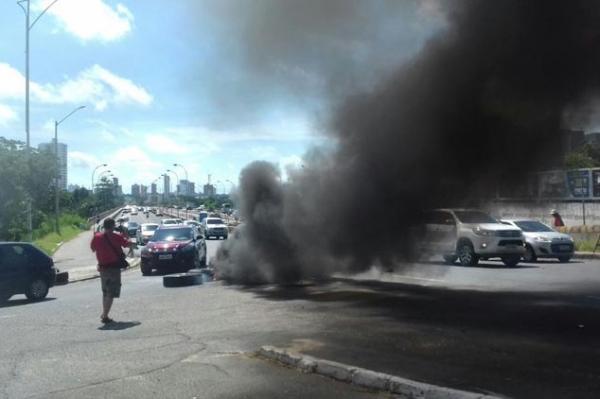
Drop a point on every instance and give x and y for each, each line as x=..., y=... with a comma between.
x=37, y=290
x=182, y=279
x=511, y=261
x=62, y=278
x=450, y=259
x=529, y=255
x=466, y=254
x=145, y=270
x=564, y=259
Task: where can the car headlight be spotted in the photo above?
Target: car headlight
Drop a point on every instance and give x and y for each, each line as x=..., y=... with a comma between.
x=484, y=233
x=542, y=239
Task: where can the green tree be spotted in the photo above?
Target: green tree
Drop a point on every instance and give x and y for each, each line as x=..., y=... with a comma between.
x=23, y=177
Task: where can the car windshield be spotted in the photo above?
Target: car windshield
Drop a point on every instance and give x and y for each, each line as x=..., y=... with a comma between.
x=474, y=217
x=150, y=227
x=214, y=221
x=182, y=234
x=171, y=221
x=531, y=226
x=133, y=225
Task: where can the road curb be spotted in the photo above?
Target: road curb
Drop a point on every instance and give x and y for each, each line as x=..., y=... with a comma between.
x=366, y=378
x=93, y=275
x=586, y=255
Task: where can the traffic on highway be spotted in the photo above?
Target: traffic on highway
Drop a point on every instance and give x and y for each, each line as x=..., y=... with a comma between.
x=299, y=199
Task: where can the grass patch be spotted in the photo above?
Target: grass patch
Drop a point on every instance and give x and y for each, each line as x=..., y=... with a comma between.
x=70, y=227
x=585, y=245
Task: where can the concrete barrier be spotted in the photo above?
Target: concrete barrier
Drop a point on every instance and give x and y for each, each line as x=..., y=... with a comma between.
x=366, y=378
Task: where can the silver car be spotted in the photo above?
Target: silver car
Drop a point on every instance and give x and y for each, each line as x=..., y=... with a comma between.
x=542, y=241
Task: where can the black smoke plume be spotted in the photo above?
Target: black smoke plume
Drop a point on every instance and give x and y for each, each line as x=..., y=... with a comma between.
x=483, y=102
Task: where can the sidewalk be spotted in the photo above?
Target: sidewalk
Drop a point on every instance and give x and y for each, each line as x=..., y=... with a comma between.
x=76, y=257
x=76, y=254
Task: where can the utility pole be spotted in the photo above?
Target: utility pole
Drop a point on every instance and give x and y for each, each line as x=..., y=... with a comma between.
x=28, y=26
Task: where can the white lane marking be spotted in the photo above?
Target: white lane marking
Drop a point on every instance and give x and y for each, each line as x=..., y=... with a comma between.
x=8, y=316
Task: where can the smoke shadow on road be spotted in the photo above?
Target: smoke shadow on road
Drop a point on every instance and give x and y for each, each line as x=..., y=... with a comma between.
x=119, y=325
x=544, y=344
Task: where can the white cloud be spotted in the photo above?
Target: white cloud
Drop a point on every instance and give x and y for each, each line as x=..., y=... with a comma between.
x=107, y=136
x=90, y=19
x=165, y=145
x=12, y=82
x=95, y=85
x=7, y=114
x=82, y=160
x=134, y=164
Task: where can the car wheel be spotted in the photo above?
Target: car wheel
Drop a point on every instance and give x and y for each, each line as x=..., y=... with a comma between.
x=145, y=271
x=564, y=259
x=511, y=261
x=225, y=237
x=529, y=255
x=467, y=255
x=203, y=262
x=37, y=290
x=450, y=259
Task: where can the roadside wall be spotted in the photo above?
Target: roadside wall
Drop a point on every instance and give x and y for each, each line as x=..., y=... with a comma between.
x=571, y=212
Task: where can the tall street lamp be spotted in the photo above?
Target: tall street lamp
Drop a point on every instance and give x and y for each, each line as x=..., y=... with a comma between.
x=28, y=27
x=232, y=185
x=177, y=176
x=187, y=179
x=56, y=188
x=94, y=172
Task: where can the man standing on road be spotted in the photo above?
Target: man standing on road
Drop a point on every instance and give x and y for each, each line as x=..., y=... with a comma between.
x=107, y=246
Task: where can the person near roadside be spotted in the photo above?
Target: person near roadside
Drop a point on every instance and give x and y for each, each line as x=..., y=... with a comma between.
x=108, y=248
x=556, y=219
x=125, y=233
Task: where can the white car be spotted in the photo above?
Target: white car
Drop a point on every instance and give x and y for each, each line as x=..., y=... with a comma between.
x=145, y=232
x=469, y=235
x=170, y=222
x=214, y=227
x=542, y=241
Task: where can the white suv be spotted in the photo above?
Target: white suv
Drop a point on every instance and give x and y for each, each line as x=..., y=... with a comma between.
x=469, y=235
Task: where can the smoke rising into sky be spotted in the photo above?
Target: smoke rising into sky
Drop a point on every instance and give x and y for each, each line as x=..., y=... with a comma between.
x=482, y=101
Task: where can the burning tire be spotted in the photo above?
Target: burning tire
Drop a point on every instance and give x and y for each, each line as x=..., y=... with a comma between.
x=182, y=279
x=62, y=278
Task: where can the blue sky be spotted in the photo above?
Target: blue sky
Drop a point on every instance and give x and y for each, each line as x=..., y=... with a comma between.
x=188, y=81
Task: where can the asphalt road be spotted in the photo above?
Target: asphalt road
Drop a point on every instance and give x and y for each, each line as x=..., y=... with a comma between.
x=528, y=332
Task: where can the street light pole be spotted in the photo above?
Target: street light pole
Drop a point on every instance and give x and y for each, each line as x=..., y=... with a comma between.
x=177, y=176
x=28, y=28
x=94, y=172
x=56, y=188
x=187, y=179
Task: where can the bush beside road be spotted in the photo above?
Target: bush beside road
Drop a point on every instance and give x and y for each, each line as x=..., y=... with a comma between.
x=70, y=226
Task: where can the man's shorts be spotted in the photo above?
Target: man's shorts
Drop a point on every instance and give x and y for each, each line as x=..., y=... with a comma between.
x=111, y=282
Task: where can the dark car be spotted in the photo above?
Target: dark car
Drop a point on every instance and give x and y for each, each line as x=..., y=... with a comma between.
x=24, y=269
x=132, y=228
x=174, y=249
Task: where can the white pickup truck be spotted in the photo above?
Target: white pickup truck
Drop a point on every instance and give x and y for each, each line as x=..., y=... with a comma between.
x=469, y=235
